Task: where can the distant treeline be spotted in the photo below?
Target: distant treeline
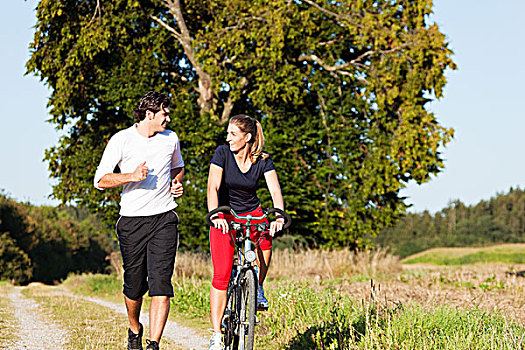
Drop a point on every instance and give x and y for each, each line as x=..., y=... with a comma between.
x=498, y=220
x=43, y=243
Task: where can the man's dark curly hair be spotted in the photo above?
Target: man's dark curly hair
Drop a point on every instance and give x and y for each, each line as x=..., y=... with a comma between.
x=153, y=101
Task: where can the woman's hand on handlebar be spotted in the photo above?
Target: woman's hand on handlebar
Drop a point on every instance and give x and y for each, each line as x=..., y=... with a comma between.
x=282, y=221
x=220, y=224
x=276, y=226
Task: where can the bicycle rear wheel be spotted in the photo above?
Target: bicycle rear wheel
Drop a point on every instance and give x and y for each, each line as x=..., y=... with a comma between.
x=248, y=310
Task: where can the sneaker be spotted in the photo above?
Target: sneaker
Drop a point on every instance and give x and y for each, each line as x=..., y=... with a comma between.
x=216, y=342
x=135, y=340
x=152, y=345
x=262, y=302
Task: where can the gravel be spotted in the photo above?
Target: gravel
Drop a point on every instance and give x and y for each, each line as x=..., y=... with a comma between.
x=36, y=331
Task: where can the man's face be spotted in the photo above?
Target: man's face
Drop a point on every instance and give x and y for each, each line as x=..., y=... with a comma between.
x=160, y=119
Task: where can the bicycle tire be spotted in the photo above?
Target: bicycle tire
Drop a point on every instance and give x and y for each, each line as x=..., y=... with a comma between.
x=248, y=310
x=230, y=322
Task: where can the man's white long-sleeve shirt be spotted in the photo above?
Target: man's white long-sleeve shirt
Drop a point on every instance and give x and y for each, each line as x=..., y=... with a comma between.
x=128, y=149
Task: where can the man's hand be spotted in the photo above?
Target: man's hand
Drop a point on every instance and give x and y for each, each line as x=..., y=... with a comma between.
x=176, y=188
x=140, y=173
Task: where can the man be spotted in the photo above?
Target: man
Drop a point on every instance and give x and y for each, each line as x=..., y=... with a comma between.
x=151, y=173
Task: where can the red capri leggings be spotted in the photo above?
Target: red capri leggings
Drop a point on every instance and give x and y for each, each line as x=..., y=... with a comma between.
x=222, y=248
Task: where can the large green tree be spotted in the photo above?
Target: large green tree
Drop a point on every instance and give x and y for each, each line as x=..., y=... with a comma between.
x=340, y=88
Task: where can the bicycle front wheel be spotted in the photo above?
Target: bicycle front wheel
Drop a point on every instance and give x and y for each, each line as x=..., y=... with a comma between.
x=230, y=319
x=248, y=309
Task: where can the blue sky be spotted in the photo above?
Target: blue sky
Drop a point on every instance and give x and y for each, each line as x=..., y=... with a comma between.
x=24, y=134
x=483, y=102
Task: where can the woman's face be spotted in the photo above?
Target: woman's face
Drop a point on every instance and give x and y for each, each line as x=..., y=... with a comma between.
x=236, y=138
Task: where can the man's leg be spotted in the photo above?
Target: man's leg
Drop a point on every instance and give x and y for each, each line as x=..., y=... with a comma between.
x=133, y=307
x=132, y=238
x=158, y=314
x=162, y=248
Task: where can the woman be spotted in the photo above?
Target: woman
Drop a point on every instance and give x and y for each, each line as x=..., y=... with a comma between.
x=234, y=173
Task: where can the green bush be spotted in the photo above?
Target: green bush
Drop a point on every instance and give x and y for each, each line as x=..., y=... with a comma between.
x=45, y=244
x=15, y=265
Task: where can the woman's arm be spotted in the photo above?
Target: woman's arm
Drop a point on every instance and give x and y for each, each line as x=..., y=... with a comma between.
x=275, y=191
x=214, y=183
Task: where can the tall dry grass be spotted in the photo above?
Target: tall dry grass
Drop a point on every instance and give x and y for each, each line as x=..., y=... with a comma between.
x=331, y=264
x=310, y=263
x=193, y=265
x=320, y=264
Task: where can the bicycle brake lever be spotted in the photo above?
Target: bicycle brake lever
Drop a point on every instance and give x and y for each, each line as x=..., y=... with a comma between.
x=262, y=227
x=236, y=226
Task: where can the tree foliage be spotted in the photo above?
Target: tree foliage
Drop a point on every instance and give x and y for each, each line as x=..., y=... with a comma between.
x=45, y=243
x=340, y=88
x=498, y=220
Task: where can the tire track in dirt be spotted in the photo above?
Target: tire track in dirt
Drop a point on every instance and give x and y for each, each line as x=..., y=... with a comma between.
x=36, y=331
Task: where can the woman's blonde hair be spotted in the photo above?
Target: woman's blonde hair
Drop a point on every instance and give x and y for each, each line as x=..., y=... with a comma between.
x=252, y=126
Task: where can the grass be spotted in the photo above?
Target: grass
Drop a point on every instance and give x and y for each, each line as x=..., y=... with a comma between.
x=8, y=323
x=189, y=306
x=507, y=254
x=303, y=316
x=107, y=287
x=192, y=277
x=443, y=328
x=423, y=308
x=326, y=300
x=308, y=314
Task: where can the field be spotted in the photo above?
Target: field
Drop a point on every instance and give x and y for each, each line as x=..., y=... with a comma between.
x=340, y=300
x=504, y=253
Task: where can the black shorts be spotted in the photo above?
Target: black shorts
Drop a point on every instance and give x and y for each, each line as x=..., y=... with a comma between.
x=148, y=245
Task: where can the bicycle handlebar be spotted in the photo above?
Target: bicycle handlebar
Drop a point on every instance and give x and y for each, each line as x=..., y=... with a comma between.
x=225, y=208
x=220, y=209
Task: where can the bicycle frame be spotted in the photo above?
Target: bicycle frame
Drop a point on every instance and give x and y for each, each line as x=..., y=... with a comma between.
x=243, y=279
x=239, y=318
x=248, y=256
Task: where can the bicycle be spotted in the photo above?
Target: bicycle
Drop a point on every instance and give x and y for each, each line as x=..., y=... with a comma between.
x=239, y=318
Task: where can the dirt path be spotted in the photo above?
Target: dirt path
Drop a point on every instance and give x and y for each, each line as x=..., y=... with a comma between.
x=180, y=335
x=35, y=330
x=38, y=332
